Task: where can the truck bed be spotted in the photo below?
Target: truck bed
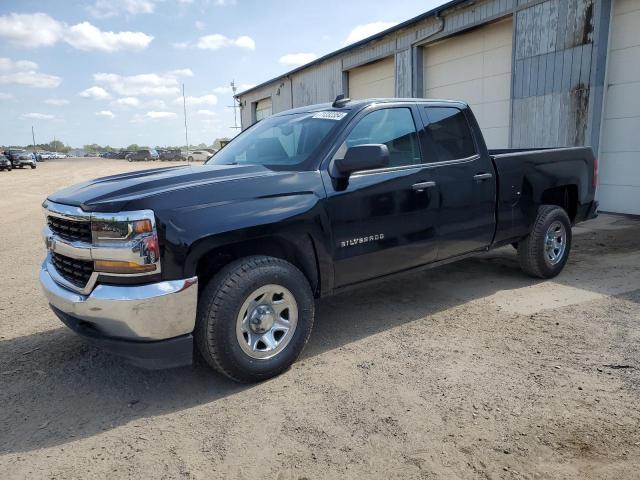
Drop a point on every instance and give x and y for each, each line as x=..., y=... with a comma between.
x=525, y=175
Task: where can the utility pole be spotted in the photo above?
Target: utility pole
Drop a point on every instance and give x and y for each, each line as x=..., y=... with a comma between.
x=184, y=107
x=33, y=138
x=234, y=89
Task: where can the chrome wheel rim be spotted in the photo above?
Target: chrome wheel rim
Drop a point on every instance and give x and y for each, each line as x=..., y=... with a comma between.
x=267, y=321
x=555, y=243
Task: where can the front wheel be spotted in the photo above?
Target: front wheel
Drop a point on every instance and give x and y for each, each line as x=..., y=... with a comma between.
x=254, y=318
x=33, y=166
x=544, y=252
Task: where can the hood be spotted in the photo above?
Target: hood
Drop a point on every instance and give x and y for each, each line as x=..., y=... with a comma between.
x=114, y=192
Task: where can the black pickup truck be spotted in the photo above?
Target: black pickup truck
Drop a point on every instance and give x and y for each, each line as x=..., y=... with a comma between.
x=227, y=259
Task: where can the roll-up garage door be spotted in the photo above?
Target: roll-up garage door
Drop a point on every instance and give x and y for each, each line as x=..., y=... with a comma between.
x=374, y=80
x=263, y=109
x=619, y=162
x=475, y=67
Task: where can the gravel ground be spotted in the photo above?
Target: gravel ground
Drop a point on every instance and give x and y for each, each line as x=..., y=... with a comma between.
x=467, y=371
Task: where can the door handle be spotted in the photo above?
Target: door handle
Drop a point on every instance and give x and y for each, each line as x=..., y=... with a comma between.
x=483, y=176
x=421, y=186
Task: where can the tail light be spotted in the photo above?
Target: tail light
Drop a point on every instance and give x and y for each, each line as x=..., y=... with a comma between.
x=595, y=173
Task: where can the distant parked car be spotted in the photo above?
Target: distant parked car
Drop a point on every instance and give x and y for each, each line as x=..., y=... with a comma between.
x=5, y=163
x=143, y=155
x=21, y=158
x=166, y=155
x=199, y=155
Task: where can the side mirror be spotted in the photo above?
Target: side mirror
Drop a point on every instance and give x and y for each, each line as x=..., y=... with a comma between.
x=363, y=157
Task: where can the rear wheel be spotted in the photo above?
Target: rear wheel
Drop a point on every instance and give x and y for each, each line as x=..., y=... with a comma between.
x=254, y=318
x=190, y=159
x=33, y=166
x=544, y=252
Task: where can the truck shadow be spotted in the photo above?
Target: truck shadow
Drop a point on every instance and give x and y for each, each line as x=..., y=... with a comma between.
x=55, y=389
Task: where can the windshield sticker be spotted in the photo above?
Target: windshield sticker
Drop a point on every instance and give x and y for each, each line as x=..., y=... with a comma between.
x=330, y=115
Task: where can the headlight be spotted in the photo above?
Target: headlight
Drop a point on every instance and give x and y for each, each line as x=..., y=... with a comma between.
x=125, y=243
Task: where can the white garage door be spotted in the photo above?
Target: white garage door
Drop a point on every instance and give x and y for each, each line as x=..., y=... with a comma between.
x=475, y=67
x=374, y=80
x=619, y=162
x=263, y=109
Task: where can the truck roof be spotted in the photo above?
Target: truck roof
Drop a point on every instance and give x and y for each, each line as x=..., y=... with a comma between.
x=360, y=104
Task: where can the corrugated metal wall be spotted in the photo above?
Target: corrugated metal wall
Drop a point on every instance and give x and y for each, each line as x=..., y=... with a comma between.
x=559, y=60
x=556, y=70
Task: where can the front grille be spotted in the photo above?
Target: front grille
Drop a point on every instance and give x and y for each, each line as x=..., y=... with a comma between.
x=75, y=271
x=70, y=229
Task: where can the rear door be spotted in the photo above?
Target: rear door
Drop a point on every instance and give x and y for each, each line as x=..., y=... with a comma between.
x=383, y=220
x=465, y=177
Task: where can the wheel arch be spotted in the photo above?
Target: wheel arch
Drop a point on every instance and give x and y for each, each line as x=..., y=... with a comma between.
x=298, y=249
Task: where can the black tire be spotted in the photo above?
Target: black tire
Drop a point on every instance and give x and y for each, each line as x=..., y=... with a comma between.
x=219, y=307
x=32, y=167
x=190, y=159
x=533, y=257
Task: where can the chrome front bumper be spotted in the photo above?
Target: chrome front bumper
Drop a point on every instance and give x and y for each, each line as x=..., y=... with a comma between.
x=142, y=313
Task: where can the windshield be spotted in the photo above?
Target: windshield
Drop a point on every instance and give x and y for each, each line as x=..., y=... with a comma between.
x=280, y=142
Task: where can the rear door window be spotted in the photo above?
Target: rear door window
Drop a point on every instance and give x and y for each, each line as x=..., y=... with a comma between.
x=447, y=134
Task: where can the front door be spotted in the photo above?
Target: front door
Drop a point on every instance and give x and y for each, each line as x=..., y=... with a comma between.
x=383, y=220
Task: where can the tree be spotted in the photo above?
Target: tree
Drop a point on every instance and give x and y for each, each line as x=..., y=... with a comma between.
x=218, y=143
x=133, y=146
x=92, y=148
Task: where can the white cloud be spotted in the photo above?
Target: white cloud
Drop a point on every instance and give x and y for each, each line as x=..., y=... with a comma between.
x=39, y=29
x=146, y=84
x=363, y=31
x=39, y=116
x=96, y=92
x=201, y=100
x=156, y=104
x=105, y=113
x=180, y=45
x=5, y=96
x=182, y=72
x=85, y=36
x=112, y=8
x=207, y=113
x=296, y=59
x=217, y=41
x=126, y=102
x=199, y=25
x=157, y=115
x=30, y=29
x=24, y=72
x=58, y=102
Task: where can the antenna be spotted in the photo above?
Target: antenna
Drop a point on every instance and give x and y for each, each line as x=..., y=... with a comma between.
x=234, y=89
x=184, y=107
x=340, y=101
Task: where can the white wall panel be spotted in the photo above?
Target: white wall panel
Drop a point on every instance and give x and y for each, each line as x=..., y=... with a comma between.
x=619, y=161
x=376, y=79
x=475, y=67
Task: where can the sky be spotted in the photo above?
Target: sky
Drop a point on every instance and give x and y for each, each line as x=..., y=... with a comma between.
x=111, y=71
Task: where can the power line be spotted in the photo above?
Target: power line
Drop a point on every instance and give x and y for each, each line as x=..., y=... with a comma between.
x=234, y=89
x=184, y=106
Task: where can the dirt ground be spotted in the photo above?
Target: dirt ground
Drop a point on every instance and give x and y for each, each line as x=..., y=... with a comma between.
x=467, y=371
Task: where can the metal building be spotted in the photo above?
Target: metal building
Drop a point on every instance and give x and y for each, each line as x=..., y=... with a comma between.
x=537, y=73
